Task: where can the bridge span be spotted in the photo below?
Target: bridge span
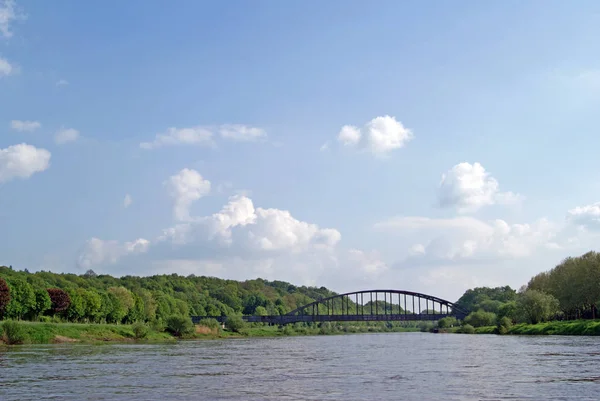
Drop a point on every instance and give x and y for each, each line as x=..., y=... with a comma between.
x=363, y=306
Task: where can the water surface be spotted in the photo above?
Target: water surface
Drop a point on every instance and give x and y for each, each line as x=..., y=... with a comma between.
x=394, y=366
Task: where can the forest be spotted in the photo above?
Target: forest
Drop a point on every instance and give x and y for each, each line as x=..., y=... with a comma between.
x=571, y=290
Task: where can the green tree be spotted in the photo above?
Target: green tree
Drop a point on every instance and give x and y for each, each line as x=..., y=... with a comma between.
x=42, y=303
x=535, y=306
x=22, y=298
x=481, y=318
x=235, y=323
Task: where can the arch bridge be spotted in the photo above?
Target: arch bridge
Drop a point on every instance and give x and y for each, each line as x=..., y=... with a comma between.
x=364, y=306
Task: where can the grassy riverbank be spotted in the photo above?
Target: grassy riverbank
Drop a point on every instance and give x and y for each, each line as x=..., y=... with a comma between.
x=556, y=328
x=53, y=333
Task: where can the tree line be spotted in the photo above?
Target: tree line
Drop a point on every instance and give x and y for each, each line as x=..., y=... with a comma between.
x=93, y=298
x=571, y=290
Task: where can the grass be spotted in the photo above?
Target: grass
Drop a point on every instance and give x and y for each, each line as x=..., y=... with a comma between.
x=47, y=333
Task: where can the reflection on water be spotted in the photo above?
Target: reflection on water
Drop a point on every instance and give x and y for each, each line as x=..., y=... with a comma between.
x=407, y=366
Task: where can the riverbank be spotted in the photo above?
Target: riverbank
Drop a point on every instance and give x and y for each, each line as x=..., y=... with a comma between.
x=53, y=333
x=555, y=328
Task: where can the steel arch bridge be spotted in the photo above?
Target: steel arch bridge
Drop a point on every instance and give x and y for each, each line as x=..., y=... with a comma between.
x=364, y=306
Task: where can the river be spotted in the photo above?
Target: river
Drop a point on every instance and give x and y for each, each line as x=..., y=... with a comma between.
x=393, y=366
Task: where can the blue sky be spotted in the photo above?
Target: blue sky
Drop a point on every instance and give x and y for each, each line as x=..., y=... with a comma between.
x=469, y=154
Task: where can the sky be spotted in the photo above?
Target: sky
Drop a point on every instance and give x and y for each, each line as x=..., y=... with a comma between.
x=425, y=147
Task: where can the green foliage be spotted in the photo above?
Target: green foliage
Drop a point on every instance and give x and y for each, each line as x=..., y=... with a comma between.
x=140, y=330
x=179, y=325
x=13, y=332
x=485, y=298
x=235, y=323
x=467, y=329
x=574, y=283
x=42, y=303
x=447, y=322
x=22, y=298
x=425, y=326
x=481, y=318
x=210, y=323
x=504, y=325
x=535, y=306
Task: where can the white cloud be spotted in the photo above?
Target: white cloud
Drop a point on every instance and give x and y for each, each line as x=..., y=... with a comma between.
x=468, y=187
x=461, y=238
x=180, y=136
x=6, y=68
x=7, y=15
x=22, y=161
x=98, y=252
x=349, y=135
x=23, y=126
x=186, y=187
x=380, y=136
x=65, y=135
x=62, y=82
x=241, y=133
x=324, y=147
x=127, y=201
x=587, y=216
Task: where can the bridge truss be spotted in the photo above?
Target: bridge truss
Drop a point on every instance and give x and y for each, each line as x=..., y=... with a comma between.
x=364, y=306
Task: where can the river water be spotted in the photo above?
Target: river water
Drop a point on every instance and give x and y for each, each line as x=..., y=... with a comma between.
x=393, y=366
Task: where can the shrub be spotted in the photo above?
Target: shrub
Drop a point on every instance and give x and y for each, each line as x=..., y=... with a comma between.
x=467, y=329
x=447, y=322
x=481, y=318
x=140, y=330
x=180, y=325
x=425, y=326
x=45, y=319
x=158, y=325
x=210, y=323
x=14, y=333
x=235, y=324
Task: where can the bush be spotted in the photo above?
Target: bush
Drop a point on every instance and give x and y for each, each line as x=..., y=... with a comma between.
x=210, y=323
x=45, y=319
x=504, y=325
x=481, y=318
x=235, y=324
x=425, y=326
x=14, y=332
x=467, y=329
x=140, y=330
x=158, y=325
x=180, y=325
x=447, y=322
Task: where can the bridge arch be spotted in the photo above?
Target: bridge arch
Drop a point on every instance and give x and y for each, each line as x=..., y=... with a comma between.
x=380, y=304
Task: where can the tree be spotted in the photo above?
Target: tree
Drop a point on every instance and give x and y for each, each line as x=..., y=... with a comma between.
x=535, y=306
x=235, y=323
x=60, y=300
x=22, y=298
x=4, y=297
x=180, y=325
x=481, y=318
x=42, y=303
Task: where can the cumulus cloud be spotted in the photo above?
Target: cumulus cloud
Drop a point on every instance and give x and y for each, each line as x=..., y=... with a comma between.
x=24, y=126
x=6, y=68
x=127, y=201
x=241, y=133
x=468, y=187
x=98, y=252
x=185, y=188
x=65, y=135
x=380, y=136
x=7, y=16
x=180, y=136
x=587, y=216
x=22, y=161
x=462, y=238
